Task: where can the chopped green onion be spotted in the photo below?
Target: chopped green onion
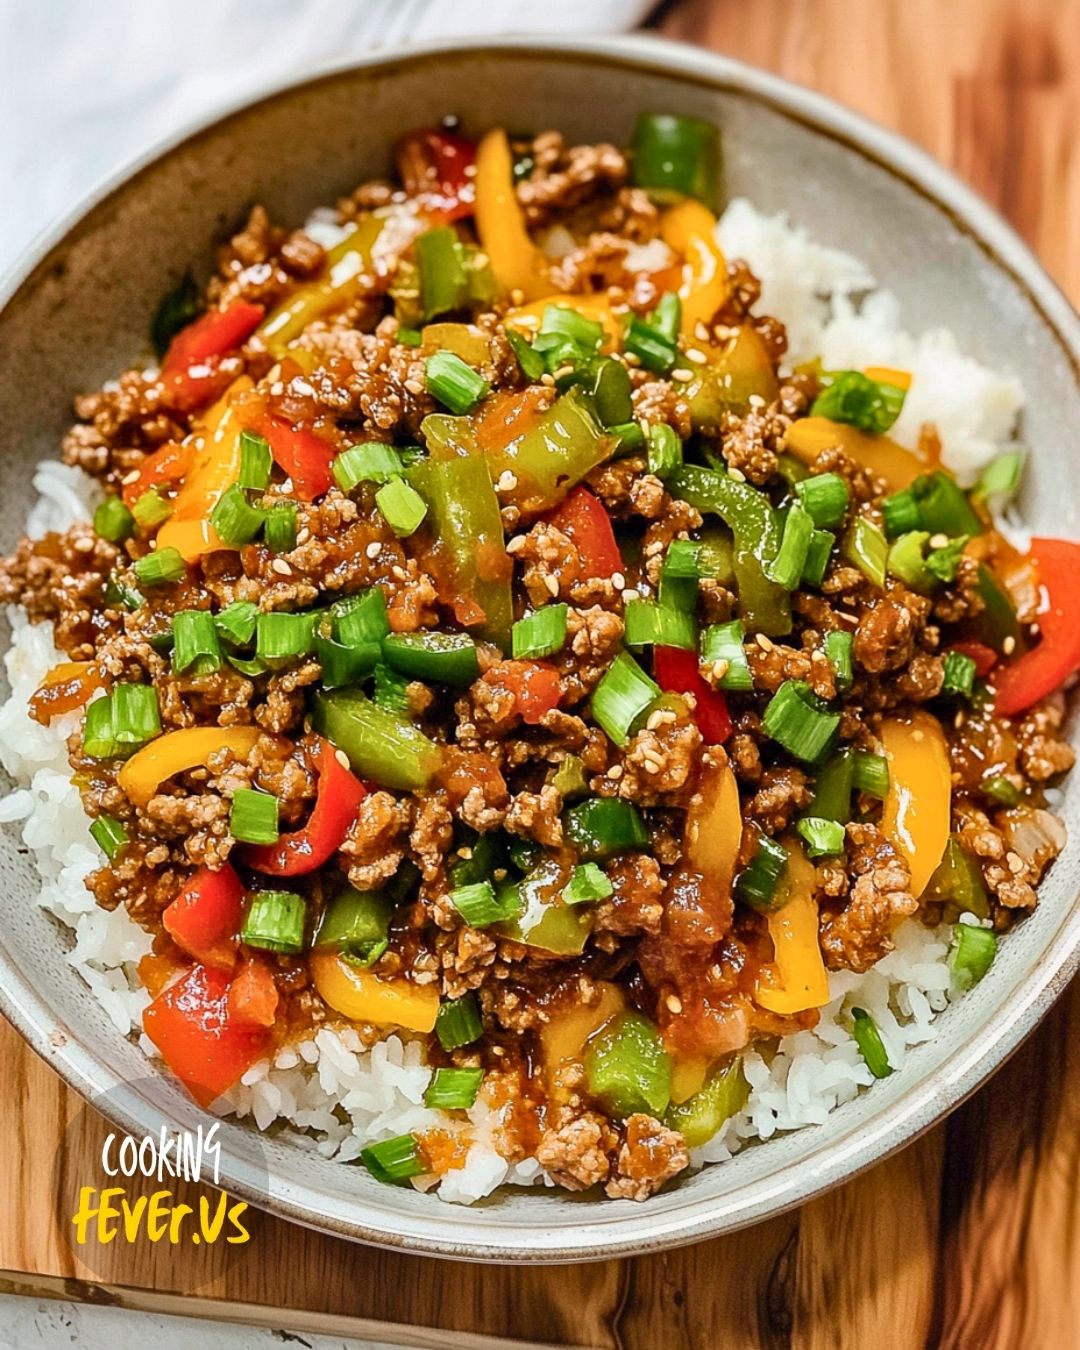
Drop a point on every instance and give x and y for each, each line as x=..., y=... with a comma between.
x=798, y=720
x=253, y=817
x=757, y=884
x=281, y=637
x=943, y=507
x=973, y=954
x=629, y=438
x=343, y=665
x=838, y=648
x=236, y=622
x=280, y=529
x=449, y=658
x=724, y=642
x=1001, y=790
x=666, y=318
x=236, y=521
x=356, y=924
x=870, y=773
x=113, y=521
x=680, y=574
x=866, y=548
x=665, y=450
x=676, y=157
x=369, y=462
x=958, y=676
x=151, y=510
x=122, y=721
x=652, y=625
x=906, y=560
x=455, y=385
x=818, y=553
x=563, y=322
x=833, y=788
x=250, y=667
x=825, y=496
x=532, y=363
x=443, y=281
x=99, y=740
x=274, y=922
x=702, y=1116
x=116, y=594
x=569, y=779
x=901, y=513
x=624, y=693
x=654, y=350
x=852, y=397
x=871, y=1047
x=525, y=854
x=458, y=1023
x=627, y=1068
x=391, y=692
x=824, y=838
x=601, y=826
x=401, y=506
x=195, y=642
x=393, y=1160
x=588, y=883
x=109, y=834
x=410, y=337
x=361, y=617
x=540, y=634
x=479, y=906
x=786, y=568
x=160, y=568
x=944, y=563
x=453, y=1089
x=255, y=461
x=1001, y=477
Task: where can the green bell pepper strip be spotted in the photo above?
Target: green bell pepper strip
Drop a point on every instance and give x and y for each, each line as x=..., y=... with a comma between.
x=565, y=444
x=996, y=621
x=449, y=658
x=380, y=745
x=628, y=1069
x=703, y=1115
x=463, y=513
x=958, y=884
x=542, y=919
x=765, y=607
x=357, y=925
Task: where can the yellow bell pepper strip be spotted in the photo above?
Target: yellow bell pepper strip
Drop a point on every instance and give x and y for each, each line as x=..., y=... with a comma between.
x=690, y=229
x=918, y=804
x=175, y=752
x=888, y=375
x=526, y=319
x=515, y=259
x=347, y=263
x=713, y=829
x=810, y=437
x=362, y=996
x=736, y=371
x=215, y=467
x=796, y=980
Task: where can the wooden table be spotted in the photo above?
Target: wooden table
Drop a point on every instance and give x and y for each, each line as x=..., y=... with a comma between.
x=971, y=1237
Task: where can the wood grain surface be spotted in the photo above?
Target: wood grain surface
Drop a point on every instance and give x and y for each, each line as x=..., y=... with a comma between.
x=970, y=1239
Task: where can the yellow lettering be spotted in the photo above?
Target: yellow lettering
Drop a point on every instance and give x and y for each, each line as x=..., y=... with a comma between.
x=234, y=1218
x=133, y=1217
x=87, y=1210
x=108, y=1210
x=156, y=1222
x=178, y=1216
x=211, y=1230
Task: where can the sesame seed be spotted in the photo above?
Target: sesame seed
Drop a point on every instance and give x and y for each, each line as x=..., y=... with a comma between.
x=303, y=535
x=499, y=874
x=618, y=580
x=399, y=573
x=959, y=719
x=630, y=593
x=281, y=567
x=132, y=477
x=547, y=380
x=764, y=643
x=655, y=720
x=465, y=852
x=1015, y=862
x=516, y=544
x=342, y=758
x=373, y=549
x=414, y=386
x=673, y=1003
x=517, y=296
x=1009, y=645
x=939, y=540
x=277, y=388
x=737, y=474
x=563, y=371
x=631, y=359
x=701, y=332
x=756, y=401
x=552, y=583
x=615, y=772
x=720, y=668
x=681, y=373
x=651, y=765
x=507, y=481
x=698, y=357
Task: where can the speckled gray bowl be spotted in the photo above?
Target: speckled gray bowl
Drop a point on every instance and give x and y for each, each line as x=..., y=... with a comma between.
x=77, y=311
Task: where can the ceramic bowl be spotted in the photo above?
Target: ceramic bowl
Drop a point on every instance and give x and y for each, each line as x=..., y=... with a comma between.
x=77, y=311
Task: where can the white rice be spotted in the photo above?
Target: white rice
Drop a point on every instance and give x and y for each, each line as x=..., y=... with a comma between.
x=328, y=1093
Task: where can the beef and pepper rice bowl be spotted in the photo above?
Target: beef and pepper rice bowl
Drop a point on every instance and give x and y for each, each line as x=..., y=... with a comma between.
x=537, y=683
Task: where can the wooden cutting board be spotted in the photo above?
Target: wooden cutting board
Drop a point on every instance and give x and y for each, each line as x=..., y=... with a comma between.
x=969, y=1238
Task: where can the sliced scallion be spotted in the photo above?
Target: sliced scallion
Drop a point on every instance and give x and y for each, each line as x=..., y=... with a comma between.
x=393, y=1160
x=361, y=617
x=456, y=385
x=622, y=695
x=253, y=817
x=458, y=1022
x=234, y=519
x=369, y=462
x=871, y=1047
x=280, y=529
x=443, y=280
x=838, y=648
x=818, y=552
x=401, y=506
x=532, y=363
x=786, y=569
x=797, y=719
x=943, y=506
x=160, y=568
x=906, y=560
x=453, y=1089
x=866, y=548
x=1001, y=477
x=109, y=834
x=601, y=826
x=825, y=496
x=113, y=521
x=391, y=691
x=652, y=625
x=255, y=462
x=944, y=563
x=665, y=450
x=900, y=511
x=343, y=665
x=958, y=674
x=653, y=349
x=448, y=658
x=870, y=773
x=539, y=634
x=564, y=322
x=195, y=642
x=588, y=883
x=479, y=905
x=274, y=922
x=1000, y=790
x=356, y=924
x=973, y=954
x=824, y=838
x=723, y=642
x=758, y=882
x=151, y=510
x=852, y=397
x=236, y=622
x=281, y=637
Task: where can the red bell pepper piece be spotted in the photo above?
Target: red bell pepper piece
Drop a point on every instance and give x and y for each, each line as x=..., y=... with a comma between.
x=205, y=917
x=985, y=658
x=199, y=1036
x=677, y=672
x=536, y=687
x=302, y=454
x=190, y=370
x=437, y=168
x=1046, y=667
x=582, y=517
x=339, y=797
x=167, y=465
x=253, y=995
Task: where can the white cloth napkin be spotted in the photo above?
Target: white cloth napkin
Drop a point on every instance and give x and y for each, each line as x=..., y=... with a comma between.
x=85, y=85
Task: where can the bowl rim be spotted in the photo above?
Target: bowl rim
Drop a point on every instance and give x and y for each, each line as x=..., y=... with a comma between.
x=983, y=1049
